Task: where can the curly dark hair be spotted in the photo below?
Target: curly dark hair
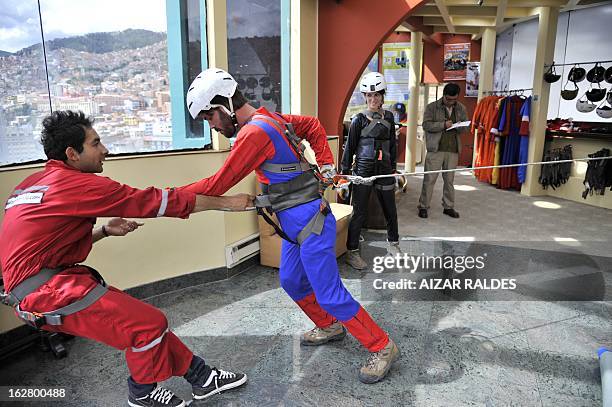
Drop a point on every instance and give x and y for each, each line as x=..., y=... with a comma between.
x=63, y=129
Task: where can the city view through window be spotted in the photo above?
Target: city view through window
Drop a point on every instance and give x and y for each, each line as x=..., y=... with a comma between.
x=105, y=58
x=254, y=50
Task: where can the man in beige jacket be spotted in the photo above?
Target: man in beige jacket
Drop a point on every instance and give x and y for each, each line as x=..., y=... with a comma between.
x=443, y=147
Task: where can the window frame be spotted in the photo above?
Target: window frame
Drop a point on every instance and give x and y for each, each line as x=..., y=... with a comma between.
x=176, y=14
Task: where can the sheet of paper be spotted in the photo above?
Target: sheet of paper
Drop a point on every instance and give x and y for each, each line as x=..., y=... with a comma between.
x=459, y=124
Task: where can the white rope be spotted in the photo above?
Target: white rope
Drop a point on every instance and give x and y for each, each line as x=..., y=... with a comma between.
x=356, y=179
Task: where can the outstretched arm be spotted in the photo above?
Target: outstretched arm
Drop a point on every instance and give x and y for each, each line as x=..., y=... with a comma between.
x=235, y=203
x=251, y=149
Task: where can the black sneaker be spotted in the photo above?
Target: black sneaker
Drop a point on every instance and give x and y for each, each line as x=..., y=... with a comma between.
x=422, y=213
x=218, y=381
x=157, y=398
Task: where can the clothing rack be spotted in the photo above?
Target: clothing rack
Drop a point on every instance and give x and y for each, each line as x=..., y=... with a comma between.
x=577, y=63
x=509, y=91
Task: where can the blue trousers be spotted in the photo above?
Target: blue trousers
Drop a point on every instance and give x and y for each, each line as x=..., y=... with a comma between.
x=312, y=267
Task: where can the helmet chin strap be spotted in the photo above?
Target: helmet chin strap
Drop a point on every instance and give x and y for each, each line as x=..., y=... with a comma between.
x=232, y=116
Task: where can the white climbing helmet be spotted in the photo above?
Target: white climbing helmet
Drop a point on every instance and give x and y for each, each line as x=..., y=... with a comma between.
x=372, y=82
x=583, y=105
x=206, y=86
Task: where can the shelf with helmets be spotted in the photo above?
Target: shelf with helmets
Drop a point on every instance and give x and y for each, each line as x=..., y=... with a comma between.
x=596, y=98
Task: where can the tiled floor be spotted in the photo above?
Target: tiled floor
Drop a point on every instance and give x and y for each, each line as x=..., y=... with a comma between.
x=457, y=349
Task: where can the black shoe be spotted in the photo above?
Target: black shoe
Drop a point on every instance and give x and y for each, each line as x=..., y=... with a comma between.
x=218, y=381
x=159, y=397
x=422, y=213
x=451, y=212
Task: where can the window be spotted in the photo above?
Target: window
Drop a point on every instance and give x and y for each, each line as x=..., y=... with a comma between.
x=24, y=97
x=111, y=62
x=254, y=50
x=108, y=58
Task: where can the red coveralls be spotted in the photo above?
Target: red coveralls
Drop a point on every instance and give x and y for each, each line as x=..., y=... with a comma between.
x=48, y=223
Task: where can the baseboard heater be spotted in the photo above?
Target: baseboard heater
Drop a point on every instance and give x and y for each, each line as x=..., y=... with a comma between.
x=242, y=250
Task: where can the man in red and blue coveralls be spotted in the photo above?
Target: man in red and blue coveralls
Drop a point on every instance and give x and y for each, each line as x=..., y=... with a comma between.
x=308, y=270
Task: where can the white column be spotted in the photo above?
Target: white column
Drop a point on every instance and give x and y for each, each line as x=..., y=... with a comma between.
x=487, y=61
x=545, y=49
x=414, y=80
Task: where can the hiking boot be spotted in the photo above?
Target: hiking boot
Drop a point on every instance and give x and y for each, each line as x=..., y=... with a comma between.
x=218, y=381
x=394, y=249
x=159, y=397
x=354, y=260
x=319, y=336
x=422, y=213
x=379, y=363
x=451, y=212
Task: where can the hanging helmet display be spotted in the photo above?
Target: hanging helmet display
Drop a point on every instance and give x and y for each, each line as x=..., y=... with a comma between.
x=609, y=97
x=372, y=82
x=252, y=82
x=596, y=74
x=264, y=82
x=576, y=74
x=569, y=94
x=210, y=83
x=550, y=75
x=608, y=75
x=604, y=111
x=266, y=94
x=584, y=105
x=596, y=95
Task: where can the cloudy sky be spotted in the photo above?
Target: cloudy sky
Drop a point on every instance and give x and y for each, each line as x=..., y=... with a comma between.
x=20, y=28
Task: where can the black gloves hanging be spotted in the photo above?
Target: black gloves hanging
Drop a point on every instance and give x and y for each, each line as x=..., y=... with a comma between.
x=555, y=175
x=598, y=175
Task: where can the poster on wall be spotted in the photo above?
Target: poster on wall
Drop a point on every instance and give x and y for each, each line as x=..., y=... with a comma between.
x=503, y=60
x=357, y=101
x=472, y=79
x=395, y=68
x=456, y=57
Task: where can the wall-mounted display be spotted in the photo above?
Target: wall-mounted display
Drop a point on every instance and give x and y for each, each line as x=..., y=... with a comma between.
x=456, y=57
x=472, y=79
x=396, y=71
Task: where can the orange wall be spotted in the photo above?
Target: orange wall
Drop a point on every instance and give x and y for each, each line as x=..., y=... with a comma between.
x=350, y=32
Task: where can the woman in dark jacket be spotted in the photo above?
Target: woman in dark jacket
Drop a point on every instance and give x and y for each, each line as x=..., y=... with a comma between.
x=371, y=150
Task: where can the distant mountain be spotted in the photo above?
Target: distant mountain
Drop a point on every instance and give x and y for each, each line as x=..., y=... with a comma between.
x=5, y=53
x=100, y=43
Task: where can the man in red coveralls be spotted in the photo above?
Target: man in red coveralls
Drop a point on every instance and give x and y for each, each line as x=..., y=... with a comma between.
x=48, y=229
